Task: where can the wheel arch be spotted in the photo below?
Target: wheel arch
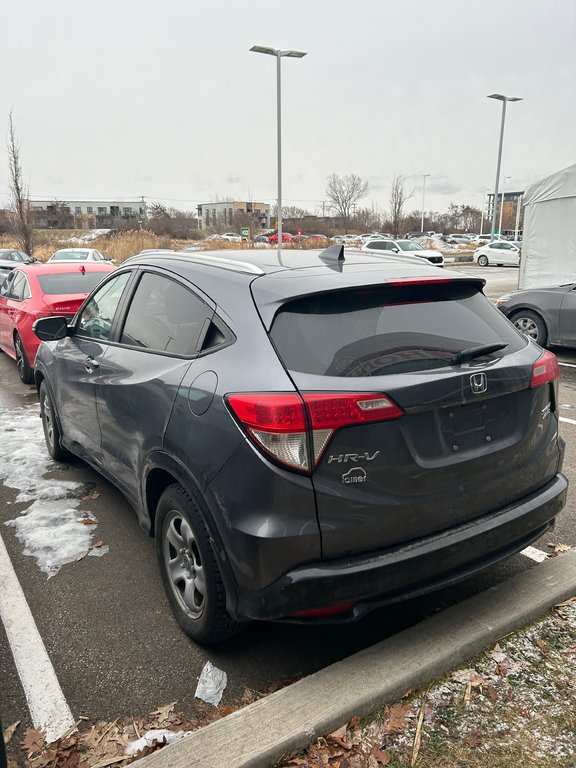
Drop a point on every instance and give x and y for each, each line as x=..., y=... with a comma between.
x=164, y=471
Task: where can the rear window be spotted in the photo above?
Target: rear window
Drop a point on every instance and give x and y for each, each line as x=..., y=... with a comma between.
x=388, y=329
x=69, y=256
x=78, y=282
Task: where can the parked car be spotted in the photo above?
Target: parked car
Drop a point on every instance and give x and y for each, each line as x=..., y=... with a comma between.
x=306, y=442
x=37, y=290
x=344, y=239
x=499, y=252
x=457, y=239
x=79, y=254
x=261, y=239
x=411, y=235
x=10, y=259
x=405, y=248
x=546, y=315
x=286, y=237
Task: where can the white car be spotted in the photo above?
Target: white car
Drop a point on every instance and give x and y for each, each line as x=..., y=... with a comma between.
x=405, y=248
x=344, y=239
x=231, y=237
x=79, y=254
x=500, y=252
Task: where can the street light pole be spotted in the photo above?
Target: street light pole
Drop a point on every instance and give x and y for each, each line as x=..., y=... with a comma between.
x=502, y=203
x=279, y=56
x=424, y=176
x=503, y=99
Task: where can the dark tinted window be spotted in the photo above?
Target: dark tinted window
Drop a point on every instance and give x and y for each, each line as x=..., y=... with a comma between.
x=165, y=316
x=385, y=330
x=78, y=282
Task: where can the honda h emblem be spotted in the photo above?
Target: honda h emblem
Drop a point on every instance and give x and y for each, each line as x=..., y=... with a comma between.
x=478, y=383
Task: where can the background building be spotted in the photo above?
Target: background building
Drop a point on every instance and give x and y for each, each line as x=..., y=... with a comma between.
x=511, y=210
x=233, y=213
x=86, y=214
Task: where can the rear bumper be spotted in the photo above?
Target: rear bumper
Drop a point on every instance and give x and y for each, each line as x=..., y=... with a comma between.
x=420, y=566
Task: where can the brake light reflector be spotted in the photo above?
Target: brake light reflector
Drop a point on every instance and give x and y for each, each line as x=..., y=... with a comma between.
x=282, y=423
x=277, y=423
x=545, y=369
x=330, y=610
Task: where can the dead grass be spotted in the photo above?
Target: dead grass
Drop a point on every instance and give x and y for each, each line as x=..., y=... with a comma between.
x=513, y=706
x=119, y=246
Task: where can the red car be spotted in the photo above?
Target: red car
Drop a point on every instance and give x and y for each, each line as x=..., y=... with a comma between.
x=286, y=237
x=38, y=290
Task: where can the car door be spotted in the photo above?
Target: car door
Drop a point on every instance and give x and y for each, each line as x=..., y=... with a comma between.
x=5, y=290
x=77, y=362
x=15, y=292
x=567, y=318
x=140, y=376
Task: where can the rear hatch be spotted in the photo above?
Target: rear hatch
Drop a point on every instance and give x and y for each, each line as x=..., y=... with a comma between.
x=456, y=419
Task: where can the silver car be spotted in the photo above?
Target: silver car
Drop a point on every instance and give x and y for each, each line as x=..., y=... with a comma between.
x=78, y=254
x=11, y=258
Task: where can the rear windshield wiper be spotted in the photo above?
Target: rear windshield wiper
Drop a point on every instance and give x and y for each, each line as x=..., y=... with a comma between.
x=472, y=352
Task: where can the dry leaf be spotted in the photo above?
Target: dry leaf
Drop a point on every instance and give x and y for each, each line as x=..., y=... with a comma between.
x=9, y=731
x=33, y=741
x=339, y=736
x=492, y=693
x=91, y=496
x=382, y=757
x=97, y=545
x=162, y=712
x=542, y=645
x=472, y=740
x=87, y=521
x=397, y=717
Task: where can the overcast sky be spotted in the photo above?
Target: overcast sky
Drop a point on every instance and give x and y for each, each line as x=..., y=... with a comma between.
x=162, y=98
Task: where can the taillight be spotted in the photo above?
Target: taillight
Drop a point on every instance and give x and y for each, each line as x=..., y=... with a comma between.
x=545, y=369
x=281, y=424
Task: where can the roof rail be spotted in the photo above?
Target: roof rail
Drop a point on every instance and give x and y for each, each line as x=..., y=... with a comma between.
x=213, y=261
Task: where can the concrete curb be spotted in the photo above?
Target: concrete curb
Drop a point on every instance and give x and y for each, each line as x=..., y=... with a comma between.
x=257, y=736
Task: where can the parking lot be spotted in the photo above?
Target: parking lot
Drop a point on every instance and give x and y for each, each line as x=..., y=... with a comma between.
x=104, y=619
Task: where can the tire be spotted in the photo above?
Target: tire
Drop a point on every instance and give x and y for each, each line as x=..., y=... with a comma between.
x=190, y=574
x=531, y=325
x=483, y=260
x=24, y=370
x=52, y=434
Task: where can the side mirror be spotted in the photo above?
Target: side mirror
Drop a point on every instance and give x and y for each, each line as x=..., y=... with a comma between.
x=51, y=328
x=396, y=250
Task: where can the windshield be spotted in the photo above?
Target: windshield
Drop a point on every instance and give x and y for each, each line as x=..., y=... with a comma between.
x=406, y=245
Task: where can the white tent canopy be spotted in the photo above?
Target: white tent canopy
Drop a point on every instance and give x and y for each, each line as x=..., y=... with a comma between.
x=549, y=241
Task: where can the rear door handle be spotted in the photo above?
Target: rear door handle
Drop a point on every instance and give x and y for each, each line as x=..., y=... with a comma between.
x=91, y=364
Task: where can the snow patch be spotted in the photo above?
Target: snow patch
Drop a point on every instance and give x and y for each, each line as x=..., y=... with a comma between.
x=50, y=529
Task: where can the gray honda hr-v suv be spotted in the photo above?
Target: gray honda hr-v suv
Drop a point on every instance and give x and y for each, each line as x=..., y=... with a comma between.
x=307, y=437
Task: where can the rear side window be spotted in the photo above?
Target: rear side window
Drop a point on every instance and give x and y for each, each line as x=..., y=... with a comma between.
x=165, y=316
x=388, y=329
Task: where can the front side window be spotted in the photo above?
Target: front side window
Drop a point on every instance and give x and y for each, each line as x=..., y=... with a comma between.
x=165, y=316
x=98, y=314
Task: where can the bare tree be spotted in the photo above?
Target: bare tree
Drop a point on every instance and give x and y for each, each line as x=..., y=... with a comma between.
x=398, y=198
x=19, y=193
x=344, y=192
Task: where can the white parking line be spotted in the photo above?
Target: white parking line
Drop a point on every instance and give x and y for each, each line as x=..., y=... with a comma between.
x=535, y=554
x=48, y=707
x=567, y=421
x=568, y=365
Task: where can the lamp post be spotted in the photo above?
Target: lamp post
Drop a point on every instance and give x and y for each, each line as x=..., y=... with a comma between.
x=484, y=206
x=279, y=56
x=502, y=203
x=424, y=177
x=503, y=99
